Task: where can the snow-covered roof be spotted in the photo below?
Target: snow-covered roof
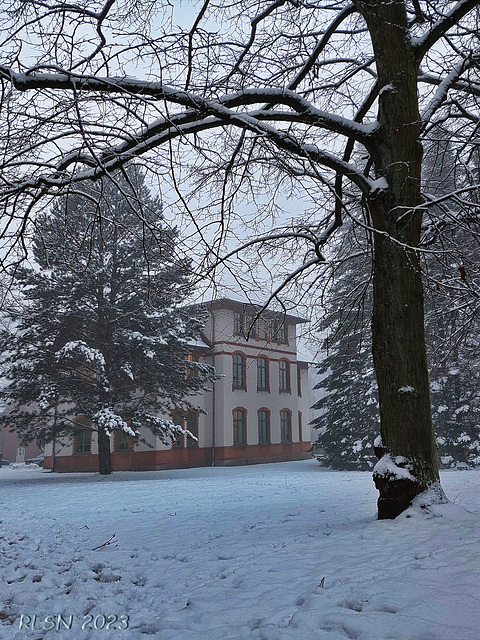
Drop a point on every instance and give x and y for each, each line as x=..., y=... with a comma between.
x=199, y=344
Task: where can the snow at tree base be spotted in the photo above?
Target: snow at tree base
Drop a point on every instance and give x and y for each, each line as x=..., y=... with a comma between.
x=103, y=331
x=261, y=552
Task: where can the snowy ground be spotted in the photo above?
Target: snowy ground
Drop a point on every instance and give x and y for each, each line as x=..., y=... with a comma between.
x=284, y=551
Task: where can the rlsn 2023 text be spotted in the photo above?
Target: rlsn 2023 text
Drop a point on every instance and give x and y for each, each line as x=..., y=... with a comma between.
x=60, y=622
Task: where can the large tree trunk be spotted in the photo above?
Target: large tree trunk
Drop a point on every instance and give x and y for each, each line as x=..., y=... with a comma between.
x=104, y=455
x=408, y=464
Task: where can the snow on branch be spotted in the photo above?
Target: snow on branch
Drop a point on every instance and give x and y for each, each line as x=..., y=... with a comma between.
x=447, y=83
x=72, y=82
x=77, y=348
x=117, y=156
x=442, y=26
x=164, y=429
x=108, y=420
x=470, y=87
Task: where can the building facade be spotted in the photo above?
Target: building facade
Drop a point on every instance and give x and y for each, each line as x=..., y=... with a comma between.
x=257, y=412
x=13, y=450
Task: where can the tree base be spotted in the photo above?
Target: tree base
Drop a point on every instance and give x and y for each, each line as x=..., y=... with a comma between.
x=396, y=495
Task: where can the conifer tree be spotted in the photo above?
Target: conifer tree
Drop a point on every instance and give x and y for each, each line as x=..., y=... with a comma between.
x=451, y=302
x=455, y=389
x=103, y=331
x=348, y=419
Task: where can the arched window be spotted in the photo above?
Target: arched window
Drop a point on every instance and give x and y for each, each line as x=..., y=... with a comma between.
x=239, y=371
x=263, y=426
x=300, y=426
x=286, y=425
x=284, y=376
x=239, y=426
x=262, y=374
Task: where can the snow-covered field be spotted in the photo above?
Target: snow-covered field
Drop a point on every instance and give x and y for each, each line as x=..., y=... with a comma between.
x=286, y=551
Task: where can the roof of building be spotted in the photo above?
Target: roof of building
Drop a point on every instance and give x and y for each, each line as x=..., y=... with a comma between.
x=248, y=307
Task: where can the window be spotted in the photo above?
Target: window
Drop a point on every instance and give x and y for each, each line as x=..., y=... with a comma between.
x=263, y=426
x=263, y=329
x=284, y=376
x=299, y=381
x=239, y=426
x=82, y=372
x=286, y=425
x=278, y=331
x=83, y=441
x=244, y=325
x=239, y=372
x=123, y=441
x=282, y=334
x=300, y=427
x=237, y=324
x=249, y=328
x=262, y=374
x=177, y=418
x=191, y=423
x=191, y=371
x=272, y=329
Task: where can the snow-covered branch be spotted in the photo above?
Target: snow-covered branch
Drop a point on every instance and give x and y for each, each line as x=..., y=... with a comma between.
x=447, y=83
x=442, y=26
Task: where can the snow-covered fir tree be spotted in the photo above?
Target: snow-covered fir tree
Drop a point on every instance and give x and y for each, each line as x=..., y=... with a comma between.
x=103, y=331
x=452, y=309
x=454, y=359
x=455, y=392
x=348, y=419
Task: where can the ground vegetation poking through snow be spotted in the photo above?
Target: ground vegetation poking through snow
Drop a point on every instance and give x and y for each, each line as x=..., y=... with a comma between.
x=270, y=552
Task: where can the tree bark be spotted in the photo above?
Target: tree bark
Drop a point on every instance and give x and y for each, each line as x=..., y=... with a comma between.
x=409, y=464
x=400, y=364
x=104, y=455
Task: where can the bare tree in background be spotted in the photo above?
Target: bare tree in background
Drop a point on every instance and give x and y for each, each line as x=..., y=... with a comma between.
x=328, y=102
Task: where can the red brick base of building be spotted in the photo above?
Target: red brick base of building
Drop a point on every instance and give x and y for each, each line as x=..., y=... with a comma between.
x=261, y=453
x=184, y=458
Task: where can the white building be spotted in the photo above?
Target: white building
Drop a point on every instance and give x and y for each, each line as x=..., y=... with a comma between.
x=258, y=411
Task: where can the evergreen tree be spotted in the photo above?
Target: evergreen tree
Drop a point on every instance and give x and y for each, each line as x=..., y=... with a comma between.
x=451, y=302
x=455, y=389
x=348, y=418
x=348, y=411
x=103, y=331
